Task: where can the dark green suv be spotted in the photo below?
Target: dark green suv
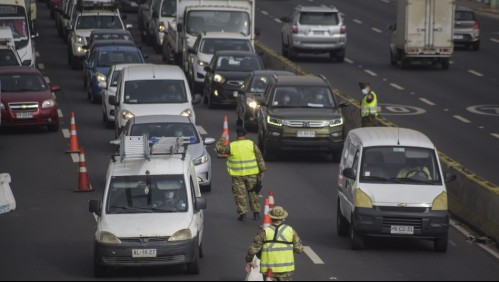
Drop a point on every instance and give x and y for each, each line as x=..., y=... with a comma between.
x=300, y=113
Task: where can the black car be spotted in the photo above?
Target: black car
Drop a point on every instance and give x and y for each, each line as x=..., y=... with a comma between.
x=251, y=92
x=109, y=34
x=225, y=75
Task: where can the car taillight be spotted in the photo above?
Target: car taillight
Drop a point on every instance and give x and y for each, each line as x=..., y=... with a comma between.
x=343, y=29
x=476, y=25
x=294, y=29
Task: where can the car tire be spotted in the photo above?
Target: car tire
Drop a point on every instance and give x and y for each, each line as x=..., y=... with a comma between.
x=342, y=226
x=445, y=64
x=205, y=188
x=356, y=240
x=440, y=244
x=100, y=271
x=284, y=50
x=292, y=54
x=75, y=64
x=193, y=267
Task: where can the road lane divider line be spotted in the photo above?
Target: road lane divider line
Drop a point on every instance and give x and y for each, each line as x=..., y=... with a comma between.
x=396, y=86
x=426, y=101
x=357, y=21
x=370, y=72
x=376, y=30
x=264, y=12
x=496, y=135
x=489, y=249
x=495, y=40
x=41, y=66
x=59, y=113
x=65, y=132
x=277, y=20
x=75, y=157
x=461, y=119
x=349, y=61
x=312, y=255
x=475, y=73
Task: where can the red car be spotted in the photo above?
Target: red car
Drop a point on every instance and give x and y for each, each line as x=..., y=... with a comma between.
x=26, y=99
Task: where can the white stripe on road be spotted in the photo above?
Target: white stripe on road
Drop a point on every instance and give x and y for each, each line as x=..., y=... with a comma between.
x=312, y=255
x=265, y=13
x=65, y=132
x=377, y=30
x=357, y=21
x=475, y=73
x=75, y=157
x=424, y=100
x=489, y=249
x=496, y=135
x=461, y=119
x=494, y=40
x=202, y=131
x=277, y=20
x=47, y=79
x=396, y=86
x=349, y=61
x=41, y=66
x=370, y=72
x=59, y=113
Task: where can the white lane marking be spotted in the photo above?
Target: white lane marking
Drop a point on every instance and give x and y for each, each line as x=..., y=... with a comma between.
x=377, y=30
x=66, y=133
x=475, y=73
x=461, y=119
x=202, y=131
x=75, y=157
x=357, y=21
x=265, y=12
x=59, y=113
x=452, y=243
x=494, y=40
x=496, y=135
x=37, y=54
x=277, y=20
x=489, y=249
x=349, y=61
x=396, y=86
x=424, y=100
x=41, y=66
x=370, y=72
x=47, y=79
x=312, y=255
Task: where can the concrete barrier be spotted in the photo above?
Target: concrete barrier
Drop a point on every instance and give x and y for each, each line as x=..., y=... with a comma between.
x=472, y=199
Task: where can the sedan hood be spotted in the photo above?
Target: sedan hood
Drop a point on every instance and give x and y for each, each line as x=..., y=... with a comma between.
x=17, y=97
x=145, y=224
x=304, y=113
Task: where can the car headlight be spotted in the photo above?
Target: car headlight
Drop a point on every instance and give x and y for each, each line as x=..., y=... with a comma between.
x=362, y=200
x=440, y=202
x=80, y=39
x=274, y=121
x=161, y=27
x=218, y=78
x=251, y=103
x=202, y=160
x=47, y=104
x=126, y=115
x=186, y=113
x=336, y=122
x=182, y=235
x=108, y=238
x=100, y=77
x=202, y=63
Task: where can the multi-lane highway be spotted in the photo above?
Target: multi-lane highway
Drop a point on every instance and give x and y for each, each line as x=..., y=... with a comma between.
x=50, y=235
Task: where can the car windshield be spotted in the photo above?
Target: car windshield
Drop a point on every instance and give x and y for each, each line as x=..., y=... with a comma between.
x=109, y=58
x=99, y=22
x=237, y=63
x=400, y=165
x=160, y=91
x=222, y=21
x=147, y=194
x=165, y=129
x=8, y=58
x=115, y=78
x=110, y=36
x=211, y=45
x=169, y=8
x=22, y=82
x=302, y=97
x=318, y=18
x=17, y=25
x=259, y=83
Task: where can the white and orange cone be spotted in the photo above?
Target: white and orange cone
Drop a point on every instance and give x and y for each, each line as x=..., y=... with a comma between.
x=73, y=138
x=84, y=183
x=226, y=135
x=271, y=200
x=266, y=216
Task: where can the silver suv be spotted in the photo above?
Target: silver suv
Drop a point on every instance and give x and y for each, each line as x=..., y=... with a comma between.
x=314, y=29
x=466, y=28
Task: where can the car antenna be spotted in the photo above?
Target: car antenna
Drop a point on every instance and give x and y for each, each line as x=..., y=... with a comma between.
x=398, y=136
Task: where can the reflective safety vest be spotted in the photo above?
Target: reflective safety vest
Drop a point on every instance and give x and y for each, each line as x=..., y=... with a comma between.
x=242, y=159
x=277, y=251
x=367, y=109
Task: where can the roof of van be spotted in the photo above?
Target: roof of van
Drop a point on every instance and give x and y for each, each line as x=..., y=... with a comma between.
x=391, y=136
x=152, y=71
x=157, y=165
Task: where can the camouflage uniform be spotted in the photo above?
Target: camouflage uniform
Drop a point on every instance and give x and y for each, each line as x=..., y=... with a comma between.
x=241, y=185
x=257, y=245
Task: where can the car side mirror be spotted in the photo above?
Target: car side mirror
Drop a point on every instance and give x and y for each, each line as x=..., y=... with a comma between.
x=55, y=88
x=26, y=63
x=94, y=207
x=197, y=99
x=343, y=104
x=349, y=173
x=209, y=141
x=392, y=27
x=69, y=27
x=450, y=176
x=284, y=19
x=200, y=203
x=112, y=100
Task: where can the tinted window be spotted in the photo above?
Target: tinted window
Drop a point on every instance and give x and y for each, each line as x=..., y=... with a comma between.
x=155, y=92
x=165, y=129
x=302, y=97
x=22, y=82
x=169, y=8
x=316, y=18
x=211, y=45
x=238, y=63
x=98, y=22
x=201, y=21
x=107, y=59
x=8, y=58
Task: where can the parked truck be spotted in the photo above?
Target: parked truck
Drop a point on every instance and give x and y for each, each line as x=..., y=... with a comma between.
x=198, y=16
x=423, y=32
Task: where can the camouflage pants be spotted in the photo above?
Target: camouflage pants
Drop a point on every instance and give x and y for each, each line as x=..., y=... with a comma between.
x=369, y=121
x=240, y=187
x=286, y=276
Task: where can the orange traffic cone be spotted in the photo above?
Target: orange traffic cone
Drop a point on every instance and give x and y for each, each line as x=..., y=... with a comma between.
x=85, y=185
x=73, y=138
x=268, y=275
x=266, y=217
x=271, y=200
x=226, y=135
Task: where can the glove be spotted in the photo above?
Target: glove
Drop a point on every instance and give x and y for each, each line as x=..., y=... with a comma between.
x=249, y=266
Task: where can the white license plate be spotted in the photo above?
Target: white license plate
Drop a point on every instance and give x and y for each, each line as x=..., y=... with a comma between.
x=320, y=32
x=399, y=229
x=236, y=94
x=458, y=37
x=24, y=115
x=144, y=253
x=305, y=134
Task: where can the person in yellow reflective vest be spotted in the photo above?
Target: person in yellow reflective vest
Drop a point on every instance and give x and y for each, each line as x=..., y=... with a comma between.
x=277, y=244
x=246, y=166
x=368, y=105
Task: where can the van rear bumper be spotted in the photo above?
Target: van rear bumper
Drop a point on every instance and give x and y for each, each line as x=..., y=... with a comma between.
x=379, y=221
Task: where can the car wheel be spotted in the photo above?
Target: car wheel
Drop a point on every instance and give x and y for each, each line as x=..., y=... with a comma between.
x=342, y=227
x=206, y=188
x=193, y=267
x=75, y=63
x=336, y=156
x=284, y=49
x=210, y=103
x=143, y=36
x=356, y=240
x=292, y=54
x=445, y=64
x=53, y=127
x=475, y=46
x=440, y=244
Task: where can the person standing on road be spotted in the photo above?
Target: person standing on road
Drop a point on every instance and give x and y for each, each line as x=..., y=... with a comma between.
x=246, y=166
x=368, y=105
x=277, y=244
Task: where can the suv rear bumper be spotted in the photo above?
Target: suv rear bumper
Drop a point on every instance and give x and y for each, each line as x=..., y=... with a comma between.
x=306, y=44
x=296, y=144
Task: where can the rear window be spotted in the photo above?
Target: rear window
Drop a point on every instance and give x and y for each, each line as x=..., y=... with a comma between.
x=211, y=45
x=464, y=16
x=318, y=18
x=99, y=22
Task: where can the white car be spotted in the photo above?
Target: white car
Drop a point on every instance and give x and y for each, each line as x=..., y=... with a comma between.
x=145, y=90
x=205, y=47
x=158, y=126
x=151, y=213
x=109, y=89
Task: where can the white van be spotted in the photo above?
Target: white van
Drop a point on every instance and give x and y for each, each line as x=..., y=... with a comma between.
x=147, y=90
x=151, y=212
x=391, y=184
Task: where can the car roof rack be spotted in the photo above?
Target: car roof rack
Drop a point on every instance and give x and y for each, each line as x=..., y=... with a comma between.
x=97, y=5
x=7, y=42
x=139, y=147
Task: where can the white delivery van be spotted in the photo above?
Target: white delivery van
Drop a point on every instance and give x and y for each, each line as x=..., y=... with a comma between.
x=151, y=212
x=391, y=184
